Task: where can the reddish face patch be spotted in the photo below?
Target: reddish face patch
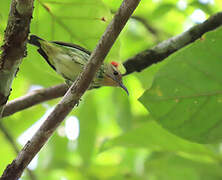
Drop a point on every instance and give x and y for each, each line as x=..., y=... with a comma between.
x=116, y=64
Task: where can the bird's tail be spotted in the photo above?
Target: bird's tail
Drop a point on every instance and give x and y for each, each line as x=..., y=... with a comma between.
x=42, y=45
x=35, y=40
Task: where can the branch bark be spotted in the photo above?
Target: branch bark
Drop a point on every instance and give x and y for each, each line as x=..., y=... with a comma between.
x=14, y=47
x=15, y=169
x=158, y=53
x=34, y=98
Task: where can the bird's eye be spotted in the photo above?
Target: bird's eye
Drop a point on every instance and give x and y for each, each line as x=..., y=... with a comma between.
x=115, y=73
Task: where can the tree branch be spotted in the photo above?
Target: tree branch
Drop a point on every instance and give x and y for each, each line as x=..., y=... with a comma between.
x=15, y=169
x=14, y=47
x=164, y=49
x=34, y=98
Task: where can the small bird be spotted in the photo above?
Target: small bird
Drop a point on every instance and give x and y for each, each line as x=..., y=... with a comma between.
x=69, y=60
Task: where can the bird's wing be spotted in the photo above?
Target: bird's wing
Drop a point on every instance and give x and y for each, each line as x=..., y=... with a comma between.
x=72, y=46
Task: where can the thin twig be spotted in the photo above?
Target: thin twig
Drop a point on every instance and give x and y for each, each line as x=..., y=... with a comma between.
x=144, y=21
x=146, y=24
x=15, y=169
x=9, y=137
x=11, y=141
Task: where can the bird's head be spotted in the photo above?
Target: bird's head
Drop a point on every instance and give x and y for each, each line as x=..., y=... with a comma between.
x=113, y=76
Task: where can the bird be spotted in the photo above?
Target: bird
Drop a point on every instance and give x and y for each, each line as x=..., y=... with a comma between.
x=69, y=60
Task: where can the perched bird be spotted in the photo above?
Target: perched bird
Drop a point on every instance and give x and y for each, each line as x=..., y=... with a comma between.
x=69, y=60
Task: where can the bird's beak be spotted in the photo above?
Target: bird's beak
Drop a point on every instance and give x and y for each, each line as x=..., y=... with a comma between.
x=124, y=87
x=112, y=81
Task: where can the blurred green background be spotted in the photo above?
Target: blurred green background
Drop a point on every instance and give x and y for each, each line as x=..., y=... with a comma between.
x=110, y=136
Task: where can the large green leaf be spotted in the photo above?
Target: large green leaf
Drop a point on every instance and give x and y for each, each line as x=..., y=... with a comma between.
x=163, y=9
x=7, y=152
x=88, y=120
x=186, y=95
x=151, y=135
x=168, y=166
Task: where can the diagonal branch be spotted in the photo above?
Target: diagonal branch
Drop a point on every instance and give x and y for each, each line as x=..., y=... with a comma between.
x=158, y=53
x=15, y=169
x=14, y=47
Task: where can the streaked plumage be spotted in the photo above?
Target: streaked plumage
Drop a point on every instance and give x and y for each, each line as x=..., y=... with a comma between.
x=69, y=60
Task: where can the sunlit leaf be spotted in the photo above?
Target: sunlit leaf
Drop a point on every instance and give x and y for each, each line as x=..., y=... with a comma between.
x=168, y=166
x=185, y=97
x=88, y=120
x=151, y=135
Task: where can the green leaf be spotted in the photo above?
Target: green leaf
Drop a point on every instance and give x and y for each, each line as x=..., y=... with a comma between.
x=205, y=7
x=88, y=127
x=56, y=146
x=186, y=95
x=151, y=135
x=163, y=9
x=124, y=116
x=7, y=152
x=168, y=166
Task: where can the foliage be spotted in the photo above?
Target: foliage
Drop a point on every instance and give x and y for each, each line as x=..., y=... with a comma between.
x=119, y=138
x=187, y=91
